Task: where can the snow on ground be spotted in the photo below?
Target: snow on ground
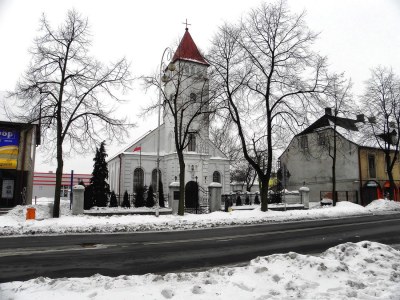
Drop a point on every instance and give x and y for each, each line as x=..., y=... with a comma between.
x=363, y=270
x=14, y=222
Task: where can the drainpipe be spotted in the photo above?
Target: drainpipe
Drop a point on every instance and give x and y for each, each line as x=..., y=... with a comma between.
x=360, y=176
x=23, y=168
x=119, y=176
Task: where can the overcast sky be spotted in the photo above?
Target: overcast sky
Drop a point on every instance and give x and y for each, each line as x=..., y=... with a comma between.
x=356, y=35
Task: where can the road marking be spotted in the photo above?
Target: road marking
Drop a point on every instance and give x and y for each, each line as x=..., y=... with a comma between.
x=239, y=236
x=38, y=250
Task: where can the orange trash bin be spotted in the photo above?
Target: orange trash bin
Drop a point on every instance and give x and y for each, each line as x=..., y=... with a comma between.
x=30, y=213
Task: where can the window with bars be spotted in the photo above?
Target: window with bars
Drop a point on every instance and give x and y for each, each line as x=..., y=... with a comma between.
x=216, y=177
x=138, y=178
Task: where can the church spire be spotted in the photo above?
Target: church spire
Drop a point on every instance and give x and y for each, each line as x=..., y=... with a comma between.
x=187, y=50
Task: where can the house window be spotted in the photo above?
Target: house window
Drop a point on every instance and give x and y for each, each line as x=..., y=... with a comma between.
x=304, y=142
x=154, y=178
x=371, y=166
x=138, y=178
x=192, y=142
x=216, y=177
x=322, y=139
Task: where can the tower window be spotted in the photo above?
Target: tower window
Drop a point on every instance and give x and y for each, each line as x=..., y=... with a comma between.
x=193, y=97
x=192, y=142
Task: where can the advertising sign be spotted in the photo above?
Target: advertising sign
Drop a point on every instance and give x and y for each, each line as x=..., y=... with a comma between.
x=8, y=189
x=9, y=142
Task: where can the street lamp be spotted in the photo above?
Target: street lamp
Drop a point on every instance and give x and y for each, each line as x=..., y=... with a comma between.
x=163, y=78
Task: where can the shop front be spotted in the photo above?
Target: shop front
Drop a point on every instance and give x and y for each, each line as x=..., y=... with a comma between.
x=18, y=143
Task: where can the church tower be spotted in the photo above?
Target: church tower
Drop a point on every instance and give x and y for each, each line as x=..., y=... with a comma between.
x=189, y=84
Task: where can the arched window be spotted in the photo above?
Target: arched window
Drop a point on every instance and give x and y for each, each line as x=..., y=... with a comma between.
x=193, y=97
x=138, y=178
x=154, y=178
x=216, y=177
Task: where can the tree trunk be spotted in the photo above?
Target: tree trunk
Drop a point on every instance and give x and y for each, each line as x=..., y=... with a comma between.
x=390, y=176
x=181, y=207
x=264, y=192
x=59, y=172
x=334, y=198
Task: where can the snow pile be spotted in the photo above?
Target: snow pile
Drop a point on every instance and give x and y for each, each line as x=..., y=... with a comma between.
x=364, y=270
x=383, y=204
x=14, y=222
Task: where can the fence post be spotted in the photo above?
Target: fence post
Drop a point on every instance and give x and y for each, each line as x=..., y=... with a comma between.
x=77, y=203
x=305, y=195
x=214, y=199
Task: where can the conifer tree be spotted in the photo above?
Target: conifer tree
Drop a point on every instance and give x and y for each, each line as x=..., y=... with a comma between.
x=161, y=198
x=256, y=200
x=113, y=200
x=126, y=202
x=139, y=200
x=88, y=197
x=247, y=200
x=238, y=200
x=150, y=197
x=101, y=188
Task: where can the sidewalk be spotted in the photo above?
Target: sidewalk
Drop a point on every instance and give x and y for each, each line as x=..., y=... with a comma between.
x=14, y=222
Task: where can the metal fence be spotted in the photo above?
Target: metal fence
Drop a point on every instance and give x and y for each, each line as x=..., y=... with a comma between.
x=351, y=196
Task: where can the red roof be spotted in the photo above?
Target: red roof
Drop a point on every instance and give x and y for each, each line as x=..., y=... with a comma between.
x=187, y=50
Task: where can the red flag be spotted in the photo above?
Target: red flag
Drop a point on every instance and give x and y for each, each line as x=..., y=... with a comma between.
x=137, y=149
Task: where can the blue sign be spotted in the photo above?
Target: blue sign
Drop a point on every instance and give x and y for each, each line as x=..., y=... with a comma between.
x=9, y=143
x=9, y=137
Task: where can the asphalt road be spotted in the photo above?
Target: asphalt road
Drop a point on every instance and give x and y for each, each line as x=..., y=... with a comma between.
x=23, y=258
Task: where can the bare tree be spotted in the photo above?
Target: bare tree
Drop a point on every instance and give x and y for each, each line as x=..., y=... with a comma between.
x=382, y=101
x=340, y=98
x=267, y=74
x=66, y=90
x=243, y=172
x=223, y=136
x=188, y=105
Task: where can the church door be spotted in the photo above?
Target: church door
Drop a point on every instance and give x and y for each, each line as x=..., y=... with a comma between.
x=192, y=195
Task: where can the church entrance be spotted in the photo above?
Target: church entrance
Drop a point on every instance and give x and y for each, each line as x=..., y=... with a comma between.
x=192, y=195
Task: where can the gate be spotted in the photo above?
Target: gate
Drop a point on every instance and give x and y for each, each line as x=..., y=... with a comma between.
x=193, y=203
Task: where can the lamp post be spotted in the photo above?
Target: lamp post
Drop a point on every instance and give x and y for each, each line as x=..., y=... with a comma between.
x=163, y=78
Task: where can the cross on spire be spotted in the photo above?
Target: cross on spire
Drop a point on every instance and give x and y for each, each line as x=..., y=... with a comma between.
x=186, y=24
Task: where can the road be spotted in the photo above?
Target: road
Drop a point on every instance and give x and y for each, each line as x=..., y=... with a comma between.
x=23, y=258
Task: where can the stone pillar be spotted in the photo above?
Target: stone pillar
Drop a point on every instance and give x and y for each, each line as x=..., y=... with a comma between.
x=214, y=196
x=173, y=198
x=305, y=196
x=77, y=202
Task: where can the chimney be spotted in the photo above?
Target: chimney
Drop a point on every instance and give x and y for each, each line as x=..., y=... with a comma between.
x=328, y=111
x=360, y=118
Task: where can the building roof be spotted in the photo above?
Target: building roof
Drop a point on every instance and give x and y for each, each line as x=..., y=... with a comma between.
x=328, y=121
x=187, y=50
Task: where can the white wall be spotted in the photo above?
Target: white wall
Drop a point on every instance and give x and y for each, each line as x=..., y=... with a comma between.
x=313, y=166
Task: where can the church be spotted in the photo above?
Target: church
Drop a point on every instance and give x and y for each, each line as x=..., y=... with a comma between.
x=204, y=162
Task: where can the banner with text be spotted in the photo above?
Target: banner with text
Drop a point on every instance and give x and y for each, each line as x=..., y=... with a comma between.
x=9, y=142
